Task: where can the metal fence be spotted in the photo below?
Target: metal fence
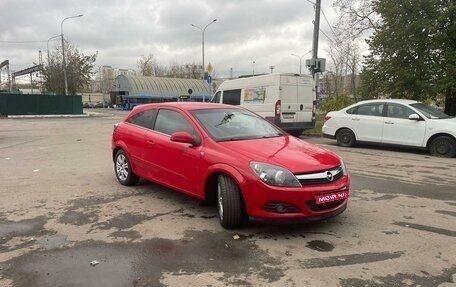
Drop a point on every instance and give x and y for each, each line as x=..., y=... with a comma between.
x=23, y=104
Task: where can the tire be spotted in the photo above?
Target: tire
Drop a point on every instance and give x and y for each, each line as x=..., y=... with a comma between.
x=122, y=168
x=345, y=138
x=443, y=146
x=229, y=203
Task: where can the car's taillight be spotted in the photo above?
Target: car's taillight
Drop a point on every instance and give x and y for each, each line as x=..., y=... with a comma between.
x=327, y=118
x=314, y=110
x=278, y=107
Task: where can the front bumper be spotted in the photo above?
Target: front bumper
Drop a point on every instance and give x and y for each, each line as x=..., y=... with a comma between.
x=270, y=203
x=321, y=217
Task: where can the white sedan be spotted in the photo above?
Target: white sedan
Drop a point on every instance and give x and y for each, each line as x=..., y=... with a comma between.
x=393, y=122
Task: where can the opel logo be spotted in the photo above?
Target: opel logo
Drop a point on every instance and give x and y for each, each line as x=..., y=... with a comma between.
x=329, y=176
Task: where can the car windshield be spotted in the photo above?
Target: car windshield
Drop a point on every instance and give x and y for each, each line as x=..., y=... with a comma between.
x=430, y=112
x=235, y=124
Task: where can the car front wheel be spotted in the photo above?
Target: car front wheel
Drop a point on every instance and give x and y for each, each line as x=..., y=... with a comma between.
x=443, y=146
x=345, y=138
x=228, y=202
x=123, y=169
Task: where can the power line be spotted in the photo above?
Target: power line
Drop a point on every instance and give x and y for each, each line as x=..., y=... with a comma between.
x=324, y=15
x=330, y=40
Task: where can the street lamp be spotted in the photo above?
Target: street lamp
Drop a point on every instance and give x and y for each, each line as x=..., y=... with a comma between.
x=56, y=36
x=300, y=60
x=202, y=33
x=63, y=51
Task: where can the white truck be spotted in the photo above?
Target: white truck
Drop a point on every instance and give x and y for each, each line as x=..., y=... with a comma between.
x=287, y=100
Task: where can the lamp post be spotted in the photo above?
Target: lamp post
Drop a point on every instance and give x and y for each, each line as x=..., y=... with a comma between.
x=300, y=62
x=63, y=51
x=48, y=56
x=202, y=33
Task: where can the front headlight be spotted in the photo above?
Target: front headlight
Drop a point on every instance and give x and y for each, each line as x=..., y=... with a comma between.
x=274, y=175
x=342, y=165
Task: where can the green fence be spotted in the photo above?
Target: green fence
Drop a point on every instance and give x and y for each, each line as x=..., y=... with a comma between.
x=23, y=104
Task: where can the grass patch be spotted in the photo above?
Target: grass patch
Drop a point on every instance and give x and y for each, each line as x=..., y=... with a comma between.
x=318, y=125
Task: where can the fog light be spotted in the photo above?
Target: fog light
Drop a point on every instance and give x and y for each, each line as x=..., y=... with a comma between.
x=280, y=208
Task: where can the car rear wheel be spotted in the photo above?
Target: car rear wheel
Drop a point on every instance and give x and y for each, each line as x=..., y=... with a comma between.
x=345, y=138
x=228, y=202
x=123, y=169
x=443, y=146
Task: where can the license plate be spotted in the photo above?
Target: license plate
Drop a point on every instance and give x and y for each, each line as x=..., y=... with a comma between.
x=288, y=116
x=325, y=198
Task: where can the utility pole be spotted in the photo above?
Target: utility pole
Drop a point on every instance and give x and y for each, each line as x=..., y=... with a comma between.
x=316, y=33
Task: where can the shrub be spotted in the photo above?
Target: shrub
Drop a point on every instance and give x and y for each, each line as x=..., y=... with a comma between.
x=336, y=102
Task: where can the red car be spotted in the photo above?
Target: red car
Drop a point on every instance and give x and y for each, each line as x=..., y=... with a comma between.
x=231, y=157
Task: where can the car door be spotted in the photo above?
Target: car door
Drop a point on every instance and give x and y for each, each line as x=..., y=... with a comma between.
x=399, y=129
x=134, y=134
x=171, y=163
x=366, y=121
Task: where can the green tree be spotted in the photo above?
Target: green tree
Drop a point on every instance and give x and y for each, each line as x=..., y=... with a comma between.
x=79, y=69
x=412, y=51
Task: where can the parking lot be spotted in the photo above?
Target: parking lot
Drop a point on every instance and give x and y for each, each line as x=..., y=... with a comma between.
x=66, y=221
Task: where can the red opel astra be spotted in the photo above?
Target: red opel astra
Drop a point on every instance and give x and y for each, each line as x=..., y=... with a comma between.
x=231, y=157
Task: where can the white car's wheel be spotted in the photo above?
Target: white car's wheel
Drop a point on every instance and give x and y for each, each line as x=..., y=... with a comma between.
x=345, y=137
x=443, y=146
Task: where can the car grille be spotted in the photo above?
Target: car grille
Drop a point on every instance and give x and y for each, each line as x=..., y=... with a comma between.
x=319, y=178
x=312, y=205
x=278, y=207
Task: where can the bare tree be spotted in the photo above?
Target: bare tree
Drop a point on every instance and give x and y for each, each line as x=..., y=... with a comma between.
x=342, y=65
x=356, y=16
x=147, y=65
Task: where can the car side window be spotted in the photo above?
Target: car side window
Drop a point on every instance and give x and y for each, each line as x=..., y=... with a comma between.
x=232, y=97
x=143, y=119
x=398, y=111
x=169, y=122
x=370, y=109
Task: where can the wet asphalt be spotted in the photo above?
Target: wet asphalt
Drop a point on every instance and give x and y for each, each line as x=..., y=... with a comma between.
x=40, y=246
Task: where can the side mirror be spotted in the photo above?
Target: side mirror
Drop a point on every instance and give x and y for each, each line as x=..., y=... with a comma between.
x=414, y=117
x=185, y=137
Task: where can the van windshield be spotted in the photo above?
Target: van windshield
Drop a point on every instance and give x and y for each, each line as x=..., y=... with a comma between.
x=235, y=124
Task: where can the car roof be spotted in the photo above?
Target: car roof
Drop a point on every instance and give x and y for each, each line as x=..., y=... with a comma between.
x=399, y=101
x=185, y=106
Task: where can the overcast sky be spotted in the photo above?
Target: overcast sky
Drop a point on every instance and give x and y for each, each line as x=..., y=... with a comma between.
x=262, y=31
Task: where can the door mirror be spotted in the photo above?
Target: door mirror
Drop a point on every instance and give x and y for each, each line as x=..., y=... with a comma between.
x=414, y=117
x=184, y=137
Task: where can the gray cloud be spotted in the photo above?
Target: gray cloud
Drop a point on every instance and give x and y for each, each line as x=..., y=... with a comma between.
x=264, y=31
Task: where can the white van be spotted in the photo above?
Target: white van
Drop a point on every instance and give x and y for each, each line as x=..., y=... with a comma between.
x=287, y=100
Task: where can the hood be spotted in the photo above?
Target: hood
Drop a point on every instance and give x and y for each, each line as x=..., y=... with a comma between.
x=294, y=154
x=443, y=125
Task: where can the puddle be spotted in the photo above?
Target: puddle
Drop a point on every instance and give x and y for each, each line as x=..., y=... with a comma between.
x=122, y=263
x=320, y=245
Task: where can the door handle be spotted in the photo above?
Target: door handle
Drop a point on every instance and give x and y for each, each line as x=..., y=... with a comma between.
x=389, y=123
x=355, y=119
x=150, y=143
